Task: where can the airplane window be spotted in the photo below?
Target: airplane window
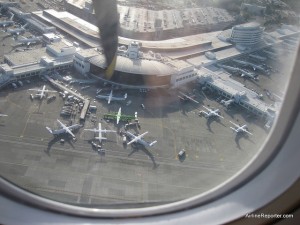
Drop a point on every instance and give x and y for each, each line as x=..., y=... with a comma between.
x=168, y=101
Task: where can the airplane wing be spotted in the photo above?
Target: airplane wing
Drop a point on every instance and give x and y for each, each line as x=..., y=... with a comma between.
x=136, y=137
x=245, y=130
x=219, y=115
x=66, y=129
x=234, y=124
x=110, y=97
x=215, y=112
x=50, y=91
x=100, y=131
x=35, y=89
x=118, y=98
x=69, y=132
x=102, y=96
x=206, y=108
x=119, y=115
x=61, y=124
x=234, y=129
x=93, y=130
x=201, y=111
x=190, y=98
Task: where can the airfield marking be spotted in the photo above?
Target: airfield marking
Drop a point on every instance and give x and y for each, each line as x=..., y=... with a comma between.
x=29, y=115
x=204, y=165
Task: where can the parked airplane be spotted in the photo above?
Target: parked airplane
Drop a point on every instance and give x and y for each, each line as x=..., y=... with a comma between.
x=29, y=41
x=2, y=115
x=227, y=103
x=258, y=57
x=8, y=22
x=211, y=113
x=254, y=66
x=185, y=97
x=64, y=129
x=118, y=116
x=138, y=139
x=240, y=129
x=41, y=92
x=229, y=68
x=17, y=31
x=244, y=73
x=248, y=74
x=110, y=97
x=100, y=131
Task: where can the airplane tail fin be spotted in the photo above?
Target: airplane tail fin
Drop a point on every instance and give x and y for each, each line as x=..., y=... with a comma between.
x=152, y=143
x=49, y=129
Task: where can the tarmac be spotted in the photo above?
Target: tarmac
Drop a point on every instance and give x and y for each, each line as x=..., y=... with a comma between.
x=76, y=173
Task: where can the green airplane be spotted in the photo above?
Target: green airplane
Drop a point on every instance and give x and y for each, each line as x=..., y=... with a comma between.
x=118, y=116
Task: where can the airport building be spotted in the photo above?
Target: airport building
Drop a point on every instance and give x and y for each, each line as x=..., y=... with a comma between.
x=134, y=69
x=221, y=83
x=145, y=24
x=167, y=64
x=247, y=34
x=35, y=62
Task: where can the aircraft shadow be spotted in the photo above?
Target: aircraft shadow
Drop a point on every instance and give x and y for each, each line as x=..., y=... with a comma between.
x=252, y=81
x=238, y=137
x=137, y=147
x=208, y=124
x=56, y=139
x=50, y=144
x=237, y=140
x=209, y=121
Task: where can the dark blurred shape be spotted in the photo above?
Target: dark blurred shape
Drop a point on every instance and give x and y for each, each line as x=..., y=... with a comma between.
x=108, y=23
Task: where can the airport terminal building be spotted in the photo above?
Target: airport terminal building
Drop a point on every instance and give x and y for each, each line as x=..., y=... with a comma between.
x=146, y=24
x=247, y=34
x=134, y=69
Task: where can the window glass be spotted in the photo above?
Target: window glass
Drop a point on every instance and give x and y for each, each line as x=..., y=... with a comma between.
x=196, y=89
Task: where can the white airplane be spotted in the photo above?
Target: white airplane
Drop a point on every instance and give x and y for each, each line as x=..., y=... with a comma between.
x=139, y=139
x=29, y=41
x=211, y=113
x=41, y=92
x=185, y=97
x=1, y=115
x=119, y=115
x=227, y=103
x=8, y=22
x=100, y=131
x=110, y=97
x=240, y=129
x=248, y=74
x=64, y=129
x=17, y=31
